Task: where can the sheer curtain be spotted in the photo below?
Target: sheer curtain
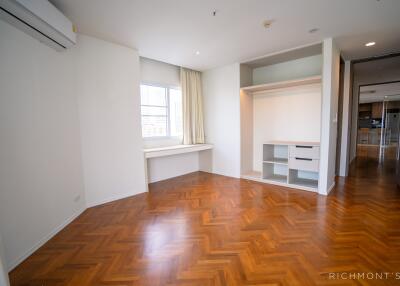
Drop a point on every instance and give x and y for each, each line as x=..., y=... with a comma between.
x=193, y=129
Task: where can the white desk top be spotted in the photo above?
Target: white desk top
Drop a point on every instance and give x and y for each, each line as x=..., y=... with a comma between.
x=291, y=143
x=176, y=149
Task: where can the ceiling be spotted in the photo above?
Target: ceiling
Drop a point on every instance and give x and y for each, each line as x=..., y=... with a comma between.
x=173, y=30
x=380, y=92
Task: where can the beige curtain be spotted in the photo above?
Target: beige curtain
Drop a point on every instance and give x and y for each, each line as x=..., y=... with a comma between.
x=193, y=129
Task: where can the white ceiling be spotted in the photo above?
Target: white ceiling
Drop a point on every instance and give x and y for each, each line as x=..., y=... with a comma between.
x=380, y=92
x=173, y=30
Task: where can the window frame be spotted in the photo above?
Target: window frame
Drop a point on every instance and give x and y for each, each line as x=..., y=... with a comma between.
x=167, y=106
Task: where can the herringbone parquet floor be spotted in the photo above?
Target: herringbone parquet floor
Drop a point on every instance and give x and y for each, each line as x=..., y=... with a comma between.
x=203, y=229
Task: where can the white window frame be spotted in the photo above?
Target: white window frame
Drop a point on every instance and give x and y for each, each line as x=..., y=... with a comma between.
x=173, y=139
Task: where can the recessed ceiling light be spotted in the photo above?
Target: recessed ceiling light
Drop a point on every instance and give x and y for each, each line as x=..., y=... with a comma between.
x=370, y=44
x=197, y=53
x=313, y=30
x=267, y=24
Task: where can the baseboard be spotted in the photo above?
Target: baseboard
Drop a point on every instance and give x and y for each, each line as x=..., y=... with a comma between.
x=56, y=230
x=175, y=176
x=221, y=174
x=111, y=199
x=45, y=239
x=331, y=188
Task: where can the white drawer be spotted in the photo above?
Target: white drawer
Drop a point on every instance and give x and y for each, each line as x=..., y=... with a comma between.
x=304, y=151
x=304, y=164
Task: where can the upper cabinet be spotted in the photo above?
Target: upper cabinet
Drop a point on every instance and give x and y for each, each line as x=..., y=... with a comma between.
x=291, y=68
x=377, y=108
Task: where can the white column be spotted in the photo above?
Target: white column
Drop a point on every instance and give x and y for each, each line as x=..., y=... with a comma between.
x=3, y=272
x=329, y=108
x=345, y=143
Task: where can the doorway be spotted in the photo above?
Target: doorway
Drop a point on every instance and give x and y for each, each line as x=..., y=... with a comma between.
x=378, y=134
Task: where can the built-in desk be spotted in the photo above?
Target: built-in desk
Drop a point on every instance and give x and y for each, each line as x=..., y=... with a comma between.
x=168, y=162
x=173, y=150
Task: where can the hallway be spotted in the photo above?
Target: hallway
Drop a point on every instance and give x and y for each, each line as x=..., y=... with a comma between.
x=369, y=168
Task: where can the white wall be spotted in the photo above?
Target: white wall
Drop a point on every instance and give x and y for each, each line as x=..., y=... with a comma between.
x=222, y=120
x=109, y=108
x=41, y=179
x=159, y=73
x=246, y=121
x=162, y=168
x=290, y=114
x=3, y=271
x=70, y=125
x=299, y=68
x=330, y=97
x=345, y=136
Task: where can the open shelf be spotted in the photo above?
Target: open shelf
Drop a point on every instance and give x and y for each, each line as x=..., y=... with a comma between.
x=276, y=178
x=303, y=178
x=275, y=172
x=292, y=180
x=282, y=84
x=282, y=161
x=305, y=182
x=273, y=153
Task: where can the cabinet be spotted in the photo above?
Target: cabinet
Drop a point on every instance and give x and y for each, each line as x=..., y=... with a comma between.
x=377, y=108
x=292, y=164
x=275, y=107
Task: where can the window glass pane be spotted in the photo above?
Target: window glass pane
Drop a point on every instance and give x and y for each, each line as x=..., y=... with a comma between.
x=153, y=126
x=153, y=95
x=154, y=110
x=175, y=105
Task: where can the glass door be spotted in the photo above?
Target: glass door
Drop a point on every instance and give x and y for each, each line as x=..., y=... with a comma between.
x=390, y=134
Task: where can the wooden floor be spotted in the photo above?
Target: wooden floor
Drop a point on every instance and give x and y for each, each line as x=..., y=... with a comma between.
x=203, y=229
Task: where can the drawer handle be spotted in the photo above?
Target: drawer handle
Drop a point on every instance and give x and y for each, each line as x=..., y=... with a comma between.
x=303, y=159
x=302, y=146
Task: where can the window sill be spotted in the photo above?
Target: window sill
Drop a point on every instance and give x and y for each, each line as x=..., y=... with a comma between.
x=174, y=150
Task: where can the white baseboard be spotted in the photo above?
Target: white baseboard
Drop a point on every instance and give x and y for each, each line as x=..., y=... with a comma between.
x=174, y=176
x=45, y=239
x=222, y=174
x=329, y=189
x=111, y=199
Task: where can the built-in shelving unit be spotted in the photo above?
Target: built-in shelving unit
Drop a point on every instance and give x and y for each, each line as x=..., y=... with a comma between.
x=280, y=98
x=290, y=164
x=282, y=84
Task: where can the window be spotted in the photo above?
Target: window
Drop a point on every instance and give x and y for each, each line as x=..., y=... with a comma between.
x=161, y=109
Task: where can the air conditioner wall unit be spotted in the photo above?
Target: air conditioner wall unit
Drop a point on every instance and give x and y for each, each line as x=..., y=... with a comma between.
x=41, y=20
